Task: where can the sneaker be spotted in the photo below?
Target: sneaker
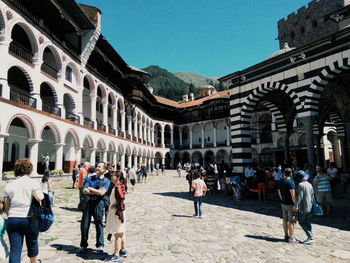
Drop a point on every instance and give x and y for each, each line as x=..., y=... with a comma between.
x=309, y=241
x=112, y=258
x=82, y=250
x=201, y=217
x=123, y=253
x=292, y=240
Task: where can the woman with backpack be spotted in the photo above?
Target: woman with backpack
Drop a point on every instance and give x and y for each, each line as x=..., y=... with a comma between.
x=18, y=198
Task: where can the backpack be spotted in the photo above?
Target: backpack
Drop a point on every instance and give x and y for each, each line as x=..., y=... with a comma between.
x=42, y=213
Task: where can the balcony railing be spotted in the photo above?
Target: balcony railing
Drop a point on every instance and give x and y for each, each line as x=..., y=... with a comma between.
x=167, y=145
x=22, y=98
x=196, y=145
x=221, y=143
x=139, y=140
x=111, y=130
x=128, y=136
x=158, y=145
x=134, y=138
x=101, y=127
x=209, y=144
x=47, y=107
x=72, y=117
x=120, y=133
x=21, y=52
x=53, y=72
x=88, y=123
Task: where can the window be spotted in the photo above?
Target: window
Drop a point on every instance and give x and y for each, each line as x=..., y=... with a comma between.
x=314, y=23
x=69, y=73
x=208, y=139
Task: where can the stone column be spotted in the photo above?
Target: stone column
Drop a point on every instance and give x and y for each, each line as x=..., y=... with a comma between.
x=115, y=118
x=228, y=130
x=33, y=153
x=286, y=149
x=122, y=161
x=78, y=154
x=4, y=47
x=114, y=158
x=162, y=127
x=130, y=161
x=93, y=109
x=190, y=129
x=202, y=135
x=135, y=128
x=59, y=156
x=135, y=159
x=214, y=131
x=145, y=134
x=308, y=125
x=129, y=125
x=2, y=143
x=172, y=137
x=104, y=156
x=180, y=136
x=122, y=113
x=140, y=130
x=152, y=136
x=92, y=156
x=105, y=113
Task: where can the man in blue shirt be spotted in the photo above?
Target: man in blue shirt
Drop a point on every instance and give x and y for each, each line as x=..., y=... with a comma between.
x=95, y=187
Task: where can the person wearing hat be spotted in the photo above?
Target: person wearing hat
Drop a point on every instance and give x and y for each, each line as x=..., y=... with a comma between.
x=303, y=204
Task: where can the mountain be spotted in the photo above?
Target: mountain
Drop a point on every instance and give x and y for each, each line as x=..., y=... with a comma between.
x=166, y=84
x=196, y=79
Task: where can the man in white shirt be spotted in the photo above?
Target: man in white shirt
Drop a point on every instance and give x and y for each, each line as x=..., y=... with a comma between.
x=332, y=171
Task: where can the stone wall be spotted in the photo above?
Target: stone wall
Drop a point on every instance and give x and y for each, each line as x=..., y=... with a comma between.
x=309, y=23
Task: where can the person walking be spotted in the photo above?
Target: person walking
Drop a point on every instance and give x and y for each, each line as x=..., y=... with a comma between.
x=18, y=197
x=324, y=192
x=199, y=189
x=46, y=161
x=116, y=218
x=303, y=205
x=95, y=187
x=179, y=169
x=132, y=177
x=75, y=173
x=286, y=193
x=163, y=169
x=261, y=181
x=144, y=173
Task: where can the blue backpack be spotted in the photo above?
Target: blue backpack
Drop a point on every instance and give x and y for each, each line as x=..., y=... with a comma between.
x=46, y=215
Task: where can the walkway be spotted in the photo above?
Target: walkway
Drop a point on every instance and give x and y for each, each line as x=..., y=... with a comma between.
x=161, y=229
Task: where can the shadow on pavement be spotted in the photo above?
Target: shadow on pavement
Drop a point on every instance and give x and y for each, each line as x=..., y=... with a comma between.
x=340, y=220
x=270, y=239
x=73, y=209
x=90, y=254
x=182, y=216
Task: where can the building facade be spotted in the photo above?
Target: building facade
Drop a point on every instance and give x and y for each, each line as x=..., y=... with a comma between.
x=294, y=107
x=65, y=91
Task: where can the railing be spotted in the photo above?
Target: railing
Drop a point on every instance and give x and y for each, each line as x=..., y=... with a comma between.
x=140, y=140
x=144, y=142
x=209, y=144
x=158, y=145
x=47, y=107
x=21, y=52
x=111, y=130
x=167, y=145
x=25, y=10
x=49, y=70
x=120, y=133
x=221, y=144
x=128, y=136
x=101, y=127
x=72, y=117
x=185, y=147
x=196, y=145
x=134, y=138
x=22, y=98
x=88, y=123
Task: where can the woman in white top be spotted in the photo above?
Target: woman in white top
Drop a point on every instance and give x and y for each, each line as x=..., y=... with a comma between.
x=18, y=198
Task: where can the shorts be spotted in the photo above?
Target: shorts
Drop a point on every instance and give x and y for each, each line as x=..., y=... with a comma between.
x=261, y=187
x=144, y=175
x=132, y=181
x=287, y=213
x=324, y=197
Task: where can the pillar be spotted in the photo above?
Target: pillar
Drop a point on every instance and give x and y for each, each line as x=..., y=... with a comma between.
x=190, y=129
x=2, y=143
x=114, y=158
x=180, y=136
x=104, y=156
x=33, y=153
x=129, y=161
x=214, y=131
x=172, y=137
x=115, y=118
x=308, y=125
x=122, y=114
x=135, y=128
x=135, y=160
x=105, y=113
x=129, y=125
x=228, y=130
x=140, y=130
x=202, y=135
x=92, y=156
x=162, y=130
x=78, y=154
x=122, y=161
x=286, y=149
x=59, y=156
x=92, y=109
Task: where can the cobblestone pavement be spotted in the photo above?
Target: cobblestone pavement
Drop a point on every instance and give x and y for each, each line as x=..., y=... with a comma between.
x=160, y=228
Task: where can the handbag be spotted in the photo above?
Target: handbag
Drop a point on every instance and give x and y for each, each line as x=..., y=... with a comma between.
x=41, y=213
x=316, y=210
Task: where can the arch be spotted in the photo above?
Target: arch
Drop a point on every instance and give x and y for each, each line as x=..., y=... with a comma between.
x=68, y=102
x=102, y=144
x=222, y=156
x=111, y=99
x=120, y=104
x=186, y=158
x=55, y=54
x=75, y=72
x=28, y=123
x=30, y=34
x=89, y=83
x=318, y=85
x=209, y=157
x=255, y=97
x=111, y=146
x=54, y=129
x=74, y=135
x=89, y=140
x=15, y=80
x=197, y=157
x=2, y=24
x=128, y=150
x=47, y=85
x=102, y=89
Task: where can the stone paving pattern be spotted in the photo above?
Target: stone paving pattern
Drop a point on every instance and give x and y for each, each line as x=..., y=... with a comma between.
x=160, y=228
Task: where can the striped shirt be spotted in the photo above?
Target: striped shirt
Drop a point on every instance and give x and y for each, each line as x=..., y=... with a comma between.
x=323, y=183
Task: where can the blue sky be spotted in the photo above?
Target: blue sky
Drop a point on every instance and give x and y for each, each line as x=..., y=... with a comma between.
x=209, y=37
